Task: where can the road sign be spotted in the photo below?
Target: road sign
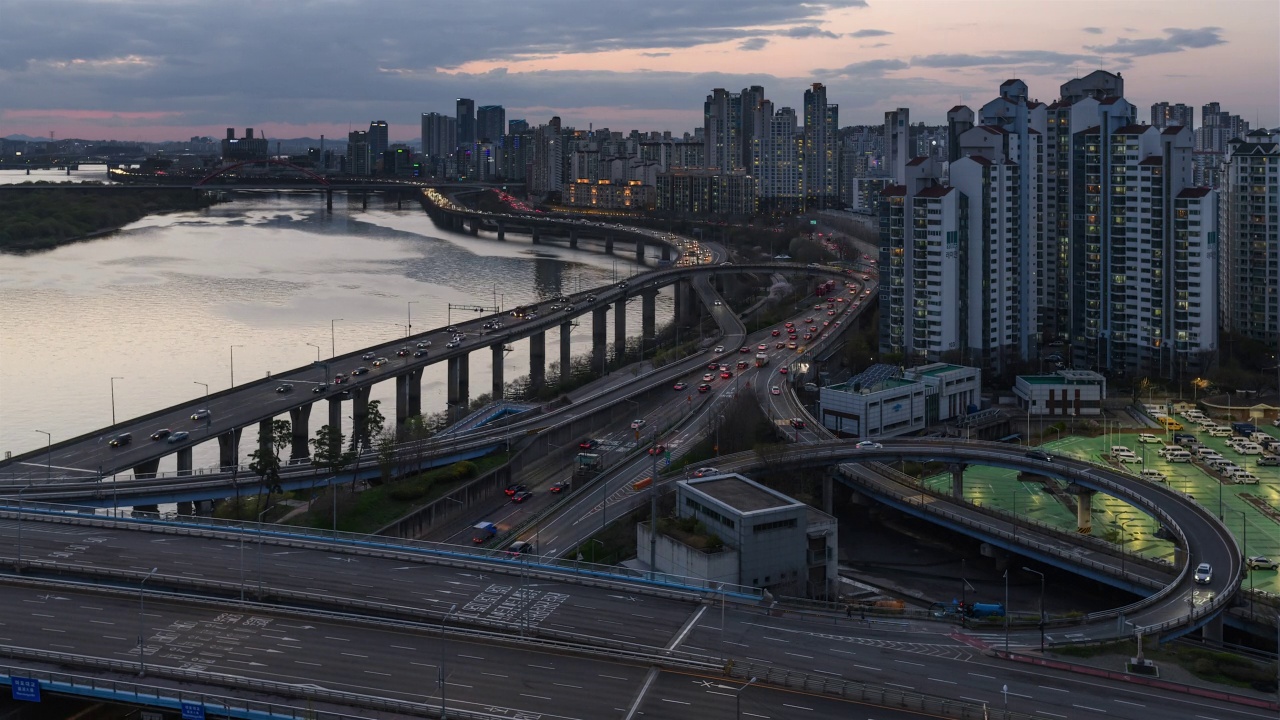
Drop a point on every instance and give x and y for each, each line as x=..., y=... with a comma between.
x=26, y=689
x=192, y=711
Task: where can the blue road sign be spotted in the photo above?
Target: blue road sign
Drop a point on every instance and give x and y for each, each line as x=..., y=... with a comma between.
x=26, y=689
x=192, y=711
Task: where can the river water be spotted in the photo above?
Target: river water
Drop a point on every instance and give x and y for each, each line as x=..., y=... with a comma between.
x=160, y=304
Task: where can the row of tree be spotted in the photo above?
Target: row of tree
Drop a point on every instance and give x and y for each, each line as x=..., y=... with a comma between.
x=43, y=219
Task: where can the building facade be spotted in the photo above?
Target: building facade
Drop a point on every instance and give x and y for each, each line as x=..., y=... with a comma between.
x=1250, y=237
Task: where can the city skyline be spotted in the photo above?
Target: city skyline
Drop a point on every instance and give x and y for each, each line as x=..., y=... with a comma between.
x=152, y=72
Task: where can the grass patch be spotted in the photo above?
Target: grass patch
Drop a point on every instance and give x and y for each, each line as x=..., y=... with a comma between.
x=1208, y=665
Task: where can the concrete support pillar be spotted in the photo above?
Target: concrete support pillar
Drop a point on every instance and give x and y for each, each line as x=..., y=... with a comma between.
x=402, y=399
x=335, y=413
x=648, y=317
x=666, y=252
x=828, y=490
x=686, y=303
x=496, y=362
x=459, y=386
x=300, y=427
x=264, y=437
x=415, y=393
x=537, y=236
x=537, y=361
x=328, y=200
x=599, y=339
x=364, y=201
x=608, y=244
x=148, y=469
x=502, y=230
x=186, y=507
x=573, y=238
x=1084, y=511
x=359, y=415
x=620, y=330
x=1212, y=630
x=184, y=462
x=566, y=356
x=474, y=224
x=229, y=449
x=640, y=251
x=957, y=480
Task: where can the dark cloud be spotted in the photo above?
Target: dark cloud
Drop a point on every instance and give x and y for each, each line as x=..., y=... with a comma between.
x=1093, y=30
x=1174, y=40
x=869, y=32
x=862, y=69
x=807, y=31
x=1011, y=57
x=656, y=54
x=752, y=44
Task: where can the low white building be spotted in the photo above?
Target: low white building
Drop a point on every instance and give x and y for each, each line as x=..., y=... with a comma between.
x=769, y=540
x=1064, y=393
x=885, y=401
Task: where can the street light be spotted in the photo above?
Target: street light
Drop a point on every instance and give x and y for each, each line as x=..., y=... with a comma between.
x=1024, y=567
x=440, y=671
x=113, y=399
x=18, y=565
x=737, y=698
x=333, y=352
x=206, y=389
x=264, y=512
x=233, y=364
x=317, y=347
x=409, y=308
x=48, y=456
x=142, y=656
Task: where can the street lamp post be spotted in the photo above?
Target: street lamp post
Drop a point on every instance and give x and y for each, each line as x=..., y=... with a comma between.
x=142, y=654
x=18, y=564
x=317, y=347
x=48, y=456
x=737, y=698
x=264, y=512
x=206, y=388
x=113, y=399
x=233, y=364
x=440, y=671
x=1041, y=604
x=333, y=345
x=409, y=308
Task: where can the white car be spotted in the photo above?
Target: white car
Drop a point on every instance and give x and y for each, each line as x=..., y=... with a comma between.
x=637, y=423
x=1129, y=458
x=1148, y=438
x=868, y=445
x=774, y=390
x=719, y=348
x=1204, y=574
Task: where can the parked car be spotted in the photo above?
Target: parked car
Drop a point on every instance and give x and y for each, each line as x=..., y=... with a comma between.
x=1259, y=562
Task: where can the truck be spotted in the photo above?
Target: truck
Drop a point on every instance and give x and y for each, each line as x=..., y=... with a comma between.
x=483, y=532
x=1243, y=428
x=762, y=359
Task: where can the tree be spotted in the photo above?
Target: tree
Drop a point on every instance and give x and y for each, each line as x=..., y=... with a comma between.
x=327, y=452
x=386, y=447
x=265, y=461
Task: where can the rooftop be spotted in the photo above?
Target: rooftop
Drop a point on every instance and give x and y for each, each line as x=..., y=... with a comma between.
x=739, y=493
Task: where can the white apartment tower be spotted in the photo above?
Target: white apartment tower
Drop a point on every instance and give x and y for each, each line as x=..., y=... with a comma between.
x=897, y=143
x=1250, y=235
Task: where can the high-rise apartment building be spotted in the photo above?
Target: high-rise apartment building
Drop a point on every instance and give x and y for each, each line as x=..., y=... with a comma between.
x=491, y=123
x=466, y=117
x=1250, y=237
x=775, y=158
x=358, y=156
x=1164, y=115
x=897, y=143
x=378, y=142
x=722, y=130
x=821, y=158
x=439, y=134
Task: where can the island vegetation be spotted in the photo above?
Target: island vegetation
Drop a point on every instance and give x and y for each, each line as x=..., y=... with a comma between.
x=43, y=218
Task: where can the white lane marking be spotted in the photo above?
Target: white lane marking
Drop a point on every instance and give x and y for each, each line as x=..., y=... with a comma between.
x=576, y=687
x=908, y=662
x=402, y=647
x=354, y=655
x=970, y=699
x=541, y=667
x=540, y=697
x=989, y=677
x=949, y=682
x=798, y=707
x=613, y=677
x=1046, y=687
x=304, y=662
x=473, y=657
x=1126, y=702
x=375, y=672
x=868, y=667
x=493, y=674
x=908, y=687
x=806, y=657
x=678, y=702
x=1046, y=712
x=1086, y=707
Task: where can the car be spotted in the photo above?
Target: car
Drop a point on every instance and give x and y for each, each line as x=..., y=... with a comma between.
x=423, y=345
x=514, y=488
x=520, y=547
x=789, y=325
x=704, y=387
x=775, y=390
x=419, y=353
x=379, y=362
x=817, y=307
x=808, y=320
x=339, y=378
x=1128, y=458
x=284, y=388
x=791, y=345
x=762, y=347
x=742, y=365
x=178, y=437
x=779, y=345
x=868, y=445
x=1148, y=438
x=726, y=374
x=1204, y=574
x=797, y=423
x=744, y=349
x=782, y=370
x=559, y=486
x=368, y=356
x=161, y=434
x=708, y=377
x=591, y=298
x=657, y=449
x=1039, y=455
x=588, y=444
x=319, y=388
x=776, y=333
x=452, y=344
x=719, y=348
x=831, y=312
x=808, y=336
x=201, y=414
x=402, y=352
x=866, y=277
x=623, y=284
x=705, y=471
x=121, y=440
x=717, y=303
x=679, y=386
x=521, y=496
x=362, y=370
x=637, y=423
x=1269, y=460
x=1260, y=562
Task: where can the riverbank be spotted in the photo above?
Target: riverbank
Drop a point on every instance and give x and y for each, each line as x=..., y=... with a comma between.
x=47, y=218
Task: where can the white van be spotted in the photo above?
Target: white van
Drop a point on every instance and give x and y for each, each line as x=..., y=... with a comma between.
x=1120, y=450
x=1178, y=456
x=1170, y=448
x=1219, y=431
x=1152, y=475
x=1208, y=453
x=1248, y=448
x=1246, y=478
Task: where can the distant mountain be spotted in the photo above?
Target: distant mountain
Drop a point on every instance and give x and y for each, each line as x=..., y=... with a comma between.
x=25, y=138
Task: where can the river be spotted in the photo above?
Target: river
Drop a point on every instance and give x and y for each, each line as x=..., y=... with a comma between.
x=163, y=304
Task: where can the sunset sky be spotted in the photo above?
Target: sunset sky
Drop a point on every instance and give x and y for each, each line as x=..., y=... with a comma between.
x=171, y=69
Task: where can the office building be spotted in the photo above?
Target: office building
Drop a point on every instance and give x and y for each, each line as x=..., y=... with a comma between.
x=466, y=117
x=358, y=156
x=1250, y=237
x=378, y=141
x=885, y=401
x=246, y=148
x=1065, y=393
x=491, y=123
